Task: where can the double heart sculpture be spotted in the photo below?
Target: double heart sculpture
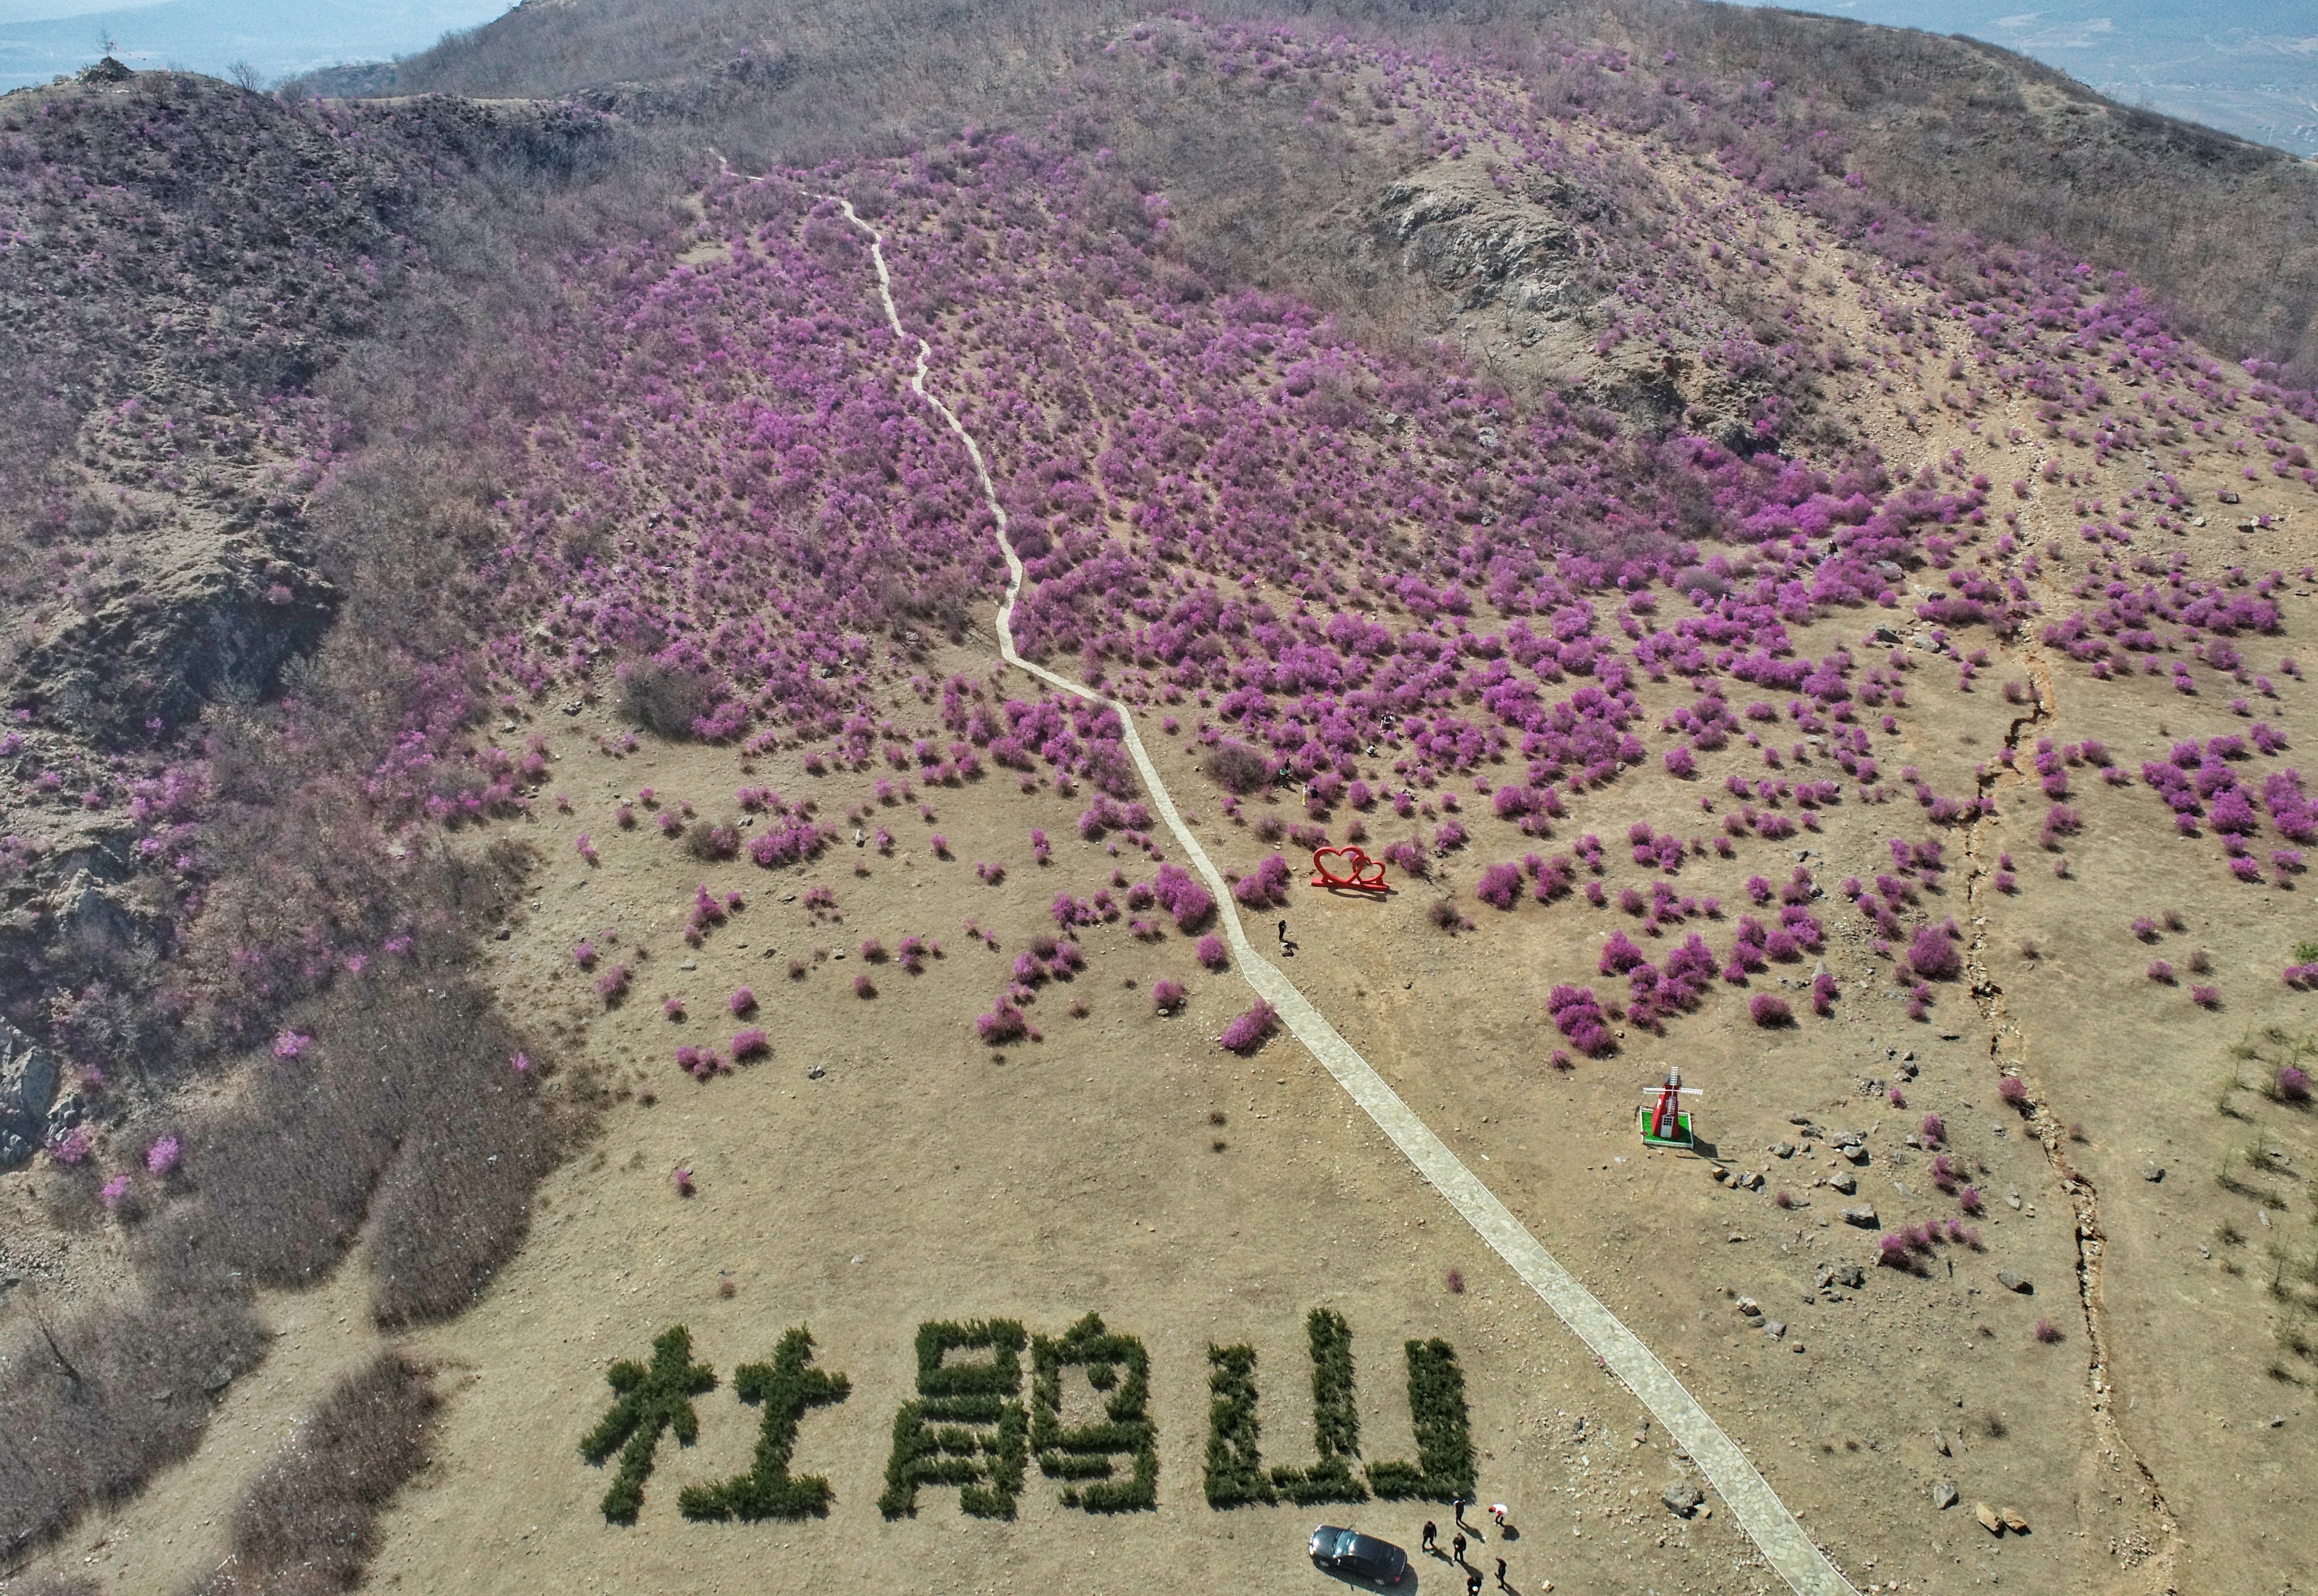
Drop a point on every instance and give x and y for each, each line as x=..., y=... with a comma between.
x=1361, y=874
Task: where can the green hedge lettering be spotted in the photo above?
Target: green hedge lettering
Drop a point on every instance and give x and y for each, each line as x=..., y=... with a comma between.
x=1235, y=1472
x=651, y=1400
x=1117, y=1364
x=932, y=1445
x=1335, y=1419
x=787, y=1387
x=1444, y=1471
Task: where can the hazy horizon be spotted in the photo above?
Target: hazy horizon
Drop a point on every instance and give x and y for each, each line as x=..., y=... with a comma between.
x=2251, y=71
x=2254, y=73
x=280, y=39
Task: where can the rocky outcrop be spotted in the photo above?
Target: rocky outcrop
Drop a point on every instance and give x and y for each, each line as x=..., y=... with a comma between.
x=28, y=1086
x=203, y=617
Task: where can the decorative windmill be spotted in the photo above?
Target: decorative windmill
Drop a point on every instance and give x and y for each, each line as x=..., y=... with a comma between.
x=1662, y=1119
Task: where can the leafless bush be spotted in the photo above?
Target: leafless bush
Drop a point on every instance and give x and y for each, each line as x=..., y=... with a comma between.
x=1238, y=768
x=664, y=699
x=308, y=1522
x=457, y=1203
x=97, y=1401
x=708, y=842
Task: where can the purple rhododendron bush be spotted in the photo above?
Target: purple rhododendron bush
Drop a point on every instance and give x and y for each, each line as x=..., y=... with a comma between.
x=513, y=781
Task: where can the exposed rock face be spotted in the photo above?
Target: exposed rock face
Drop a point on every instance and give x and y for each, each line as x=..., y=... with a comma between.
x=204, y=616
x=28, y=1085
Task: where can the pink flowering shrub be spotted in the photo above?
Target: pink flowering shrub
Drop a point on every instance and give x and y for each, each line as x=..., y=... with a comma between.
x=1265, y=885
x=1932, y=954
x=1249, y=1030
x=1167, y=996
x=1002, y=1024
x=1179, y=894
x=1579, y=1018
x=1500, y=886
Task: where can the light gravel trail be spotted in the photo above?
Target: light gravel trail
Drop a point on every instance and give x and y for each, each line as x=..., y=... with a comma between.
x=1784, y=1545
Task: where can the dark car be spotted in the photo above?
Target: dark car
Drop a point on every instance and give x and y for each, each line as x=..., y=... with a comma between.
x=1361, y=1556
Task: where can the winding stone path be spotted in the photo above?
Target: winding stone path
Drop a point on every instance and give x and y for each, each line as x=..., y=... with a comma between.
x=1764, y=1518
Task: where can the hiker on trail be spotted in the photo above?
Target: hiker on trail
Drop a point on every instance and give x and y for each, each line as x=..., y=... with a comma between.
x=1428, y=1544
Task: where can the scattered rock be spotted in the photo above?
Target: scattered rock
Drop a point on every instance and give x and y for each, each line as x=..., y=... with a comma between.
x=2015, y=1522
x=2152, y=1172
x=1851, y=1277
x=1863, y=1216
x=1718, y=1173
x=2012, y=1282
x=1683, y=1498
x=1857, y=1154
x=1844, y=1182
x=1940, y=1442
x=1776, y=1330
x=1752, y=1180
x=1988, y=1519
x=1747, y=1305
x=1783, y=1150
x=1943, y=1495
x=2012, y=1197
x=219, y=1378
x=1799, y=1119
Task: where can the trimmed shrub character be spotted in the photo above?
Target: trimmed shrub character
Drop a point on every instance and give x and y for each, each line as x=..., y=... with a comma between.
x=1119, y=1367
x=787, y=1386
x=653, y=1399
x=1335, y=1419
x=1235, y=1474
x=966, y=1427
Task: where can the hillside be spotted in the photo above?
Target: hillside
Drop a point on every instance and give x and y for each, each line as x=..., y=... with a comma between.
x=744, y=631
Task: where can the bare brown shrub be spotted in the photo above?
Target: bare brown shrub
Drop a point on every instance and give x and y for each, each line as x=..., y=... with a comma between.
x=664, y=699
x=97, y=1401
x=1239, y=768
x=308, y=1522
x=709, y=841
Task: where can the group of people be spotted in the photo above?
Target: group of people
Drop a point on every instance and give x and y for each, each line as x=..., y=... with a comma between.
x=1473, y=1577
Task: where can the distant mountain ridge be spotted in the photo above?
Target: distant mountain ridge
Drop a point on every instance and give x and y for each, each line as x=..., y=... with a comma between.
x=1969, y=133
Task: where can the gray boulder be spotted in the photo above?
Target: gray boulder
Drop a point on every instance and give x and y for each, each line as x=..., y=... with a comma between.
x=28, y=1086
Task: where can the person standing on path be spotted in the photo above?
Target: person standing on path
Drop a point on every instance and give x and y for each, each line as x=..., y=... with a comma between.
x=1501, y=1575
x=1472, y=1581
x=1428, y=1544
x=1457, y=1510
x=1497, y=1511
x=1458, y=1546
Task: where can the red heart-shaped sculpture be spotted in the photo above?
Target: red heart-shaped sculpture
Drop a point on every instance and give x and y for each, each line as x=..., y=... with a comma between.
x=1360, y=873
